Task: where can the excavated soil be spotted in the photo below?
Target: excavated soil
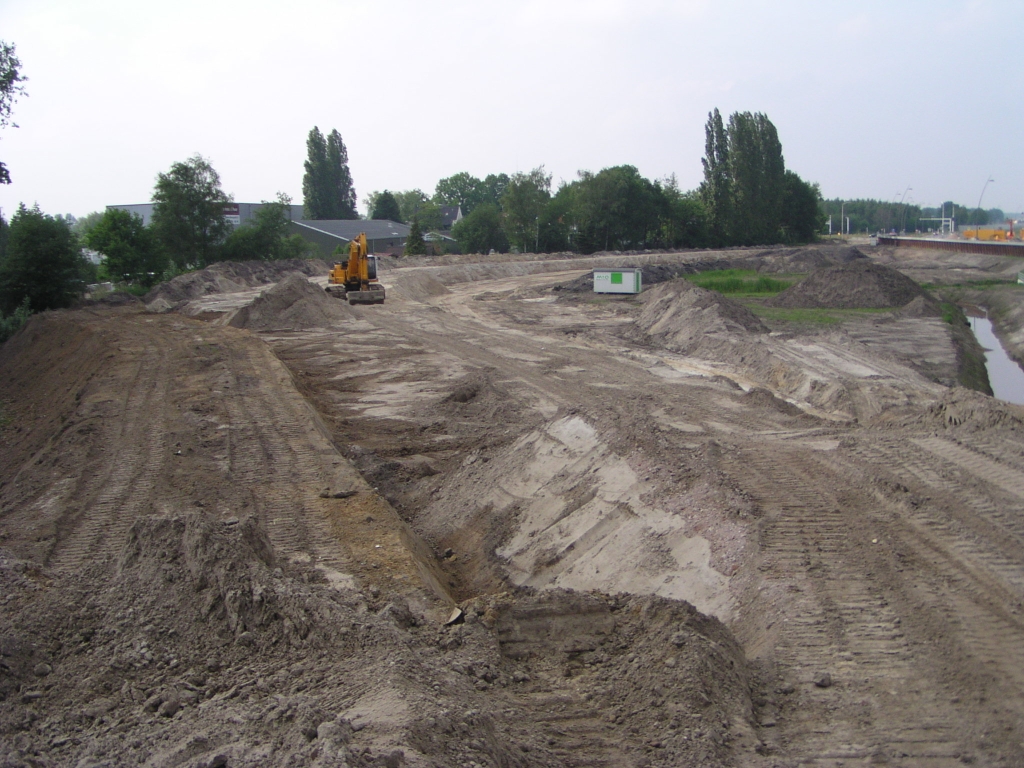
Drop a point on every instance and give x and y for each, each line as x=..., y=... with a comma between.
x=227, y=277
x=490, y=523
x=860, y=284
x=294, y=304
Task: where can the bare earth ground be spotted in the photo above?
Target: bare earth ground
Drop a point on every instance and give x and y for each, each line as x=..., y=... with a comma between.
x=232, y=534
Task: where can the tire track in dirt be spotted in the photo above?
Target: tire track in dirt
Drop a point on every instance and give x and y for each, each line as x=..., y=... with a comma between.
x=963, y=539
x=125, y=485
x=837, y=618
x=271, y=455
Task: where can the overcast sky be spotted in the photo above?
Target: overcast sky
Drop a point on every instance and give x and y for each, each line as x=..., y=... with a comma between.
x=869, y=97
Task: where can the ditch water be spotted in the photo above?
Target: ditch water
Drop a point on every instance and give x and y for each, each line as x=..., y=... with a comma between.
x=1005, y=376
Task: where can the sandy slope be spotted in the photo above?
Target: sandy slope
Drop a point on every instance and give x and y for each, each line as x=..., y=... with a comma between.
x=180, y=524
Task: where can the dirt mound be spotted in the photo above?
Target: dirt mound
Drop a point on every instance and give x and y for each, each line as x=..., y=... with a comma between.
x=961, y=410
x=680, y=315
x=227, y=277
x=653, y=274
x=761, y=397
x=294, y=304
x=416, y=286
x=797, y=260
x=201, y=649
x=857, y=285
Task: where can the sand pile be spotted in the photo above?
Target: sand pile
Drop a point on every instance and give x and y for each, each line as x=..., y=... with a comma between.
x=294, y=304
x=681, y=316
x=415, y=286
x=653, y=274
x=799, y=260
x=227, y=277
x=859, y=284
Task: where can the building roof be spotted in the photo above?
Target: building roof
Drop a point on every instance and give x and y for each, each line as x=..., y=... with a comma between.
x=348, y=229
x=449, y=215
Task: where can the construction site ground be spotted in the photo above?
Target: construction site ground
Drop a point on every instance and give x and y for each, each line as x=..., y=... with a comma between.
x=502, y=521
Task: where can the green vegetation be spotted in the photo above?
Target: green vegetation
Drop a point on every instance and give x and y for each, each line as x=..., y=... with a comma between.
x=327, y=190
x=42, y=262
x=810, y=317
x=385, y=207
x=740, y=281
x=265, y=237
x=749, y=196
x=971, y=284
x=886, y=216
x=415, y=244
x=188, y=218
x=10, y=89
x=10, y=324
x=132, y=253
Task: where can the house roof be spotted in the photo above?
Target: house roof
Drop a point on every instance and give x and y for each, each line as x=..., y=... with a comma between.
x=450, y=214
x=348, y=229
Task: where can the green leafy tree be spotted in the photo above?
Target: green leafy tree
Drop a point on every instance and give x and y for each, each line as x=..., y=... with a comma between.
x=385, y=207
x=618, y=209
x=415, y=245
x=801, y=218
x=43, y=263
x=463, y=190
x=685, y=224
x=11, y=88
x=757, y=172
x=494, y=188
x=522, y=202
x=481, y=231
x=5, y=231
x=266, y=237
x=130, y=250
x=188, y=215
x=84, y=225
x=430, y=217
x=327, y=190
x=9, y=324
x=716, y=190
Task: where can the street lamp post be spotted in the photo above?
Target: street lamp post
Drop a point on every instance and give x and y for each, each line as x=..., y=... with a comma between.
x=908, y=189
x=977, y=226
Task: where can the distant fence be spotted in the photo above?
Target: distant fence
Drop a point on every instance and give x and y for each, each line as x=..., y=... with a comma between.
x=959, y=246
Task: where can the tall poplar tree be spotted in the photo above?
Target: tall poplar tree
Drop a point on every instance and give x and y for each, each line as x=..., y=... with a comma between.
x=757, y=170
x=327, y=190
x=716, y=189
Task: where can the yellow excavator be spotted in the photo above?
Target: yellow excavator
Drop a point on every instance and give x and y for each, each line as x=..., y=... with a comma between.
x=356, y=279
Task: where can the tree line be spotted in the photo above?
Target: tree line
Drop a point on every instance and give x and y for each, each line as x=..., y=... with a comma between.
x=868, y=216
x=747, y=197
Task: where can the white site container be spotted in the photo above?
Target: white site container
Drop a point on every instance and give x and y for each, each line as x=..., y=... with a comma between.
x=627, y=280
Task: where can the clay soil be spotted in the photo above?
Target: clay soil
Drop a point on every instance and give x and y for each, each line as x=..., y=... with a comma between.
x=500, y=521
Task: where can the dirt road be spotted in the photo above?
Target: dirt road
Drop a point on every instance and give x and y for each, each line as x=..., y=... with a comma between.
x=854, y=526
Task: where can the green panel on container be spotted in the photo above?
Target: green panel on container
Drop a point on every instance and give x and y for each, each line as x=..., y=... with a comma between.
x=616, y=278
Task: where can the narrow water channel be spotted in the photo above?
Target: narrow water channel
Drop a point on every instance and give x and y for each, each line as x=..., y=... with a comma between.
x=1005, y=376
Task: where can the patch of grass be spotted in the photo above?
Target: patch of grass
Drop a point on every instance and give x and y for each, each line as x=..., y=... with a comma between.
x=972, y=284
x=10, y=324
x=813, y=317
x=950, y=312
x=740, y=281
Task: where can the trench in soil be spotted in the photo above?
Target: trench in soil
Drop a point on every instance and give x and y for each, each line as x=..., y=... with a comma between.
x=1005, y=376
